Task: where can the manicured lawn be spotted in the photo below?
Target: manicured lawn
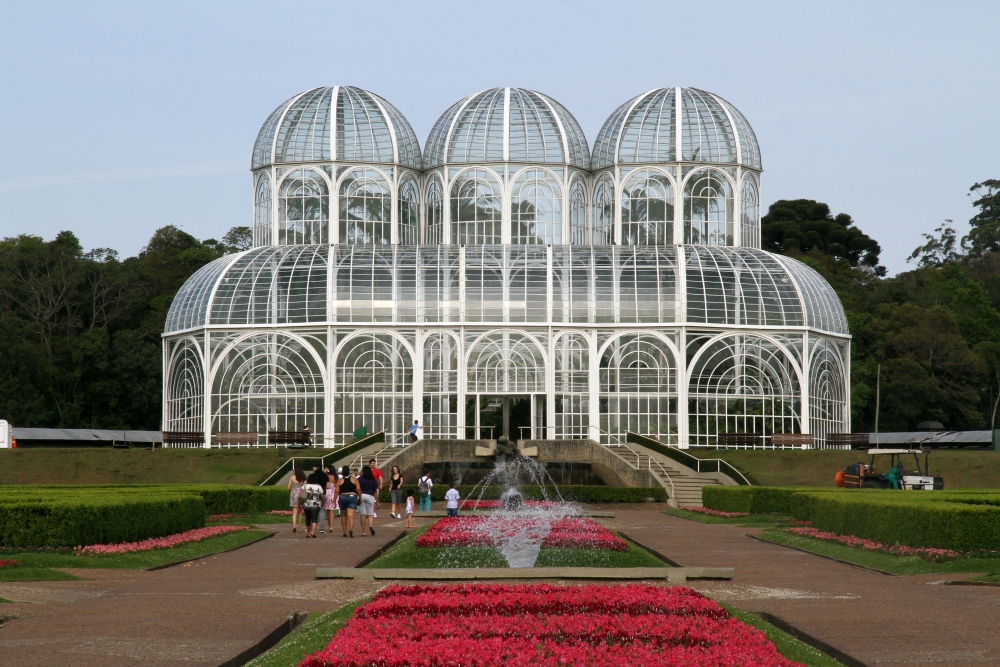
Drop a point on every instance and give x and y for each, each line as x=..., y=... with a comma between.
x=881, y=561
x=405, y=554
x=961, y=469
x=752, y=520
x=135, y=466
x=139, y=560
x=33, y=574
x=789, y=646
x=309, y=637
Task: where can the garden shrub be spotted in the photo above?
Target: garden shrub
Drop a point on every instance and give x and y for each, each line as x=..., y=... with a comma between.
x=749, y=499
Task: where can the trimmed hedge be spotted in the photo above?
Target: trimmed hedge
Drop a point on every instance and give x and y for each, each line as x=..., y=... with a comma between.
x=580, y=493
x=72, y=515
x=959, y=520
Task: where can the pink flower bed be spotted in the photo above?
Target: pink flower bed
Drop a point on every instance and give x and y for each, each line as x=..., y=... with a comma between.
x=711, y=512
x=496, y=504
x=872, y=545
x=7, y=562
x=281, y=512
x=499, y=625
x=488, y=531
x=196, y=535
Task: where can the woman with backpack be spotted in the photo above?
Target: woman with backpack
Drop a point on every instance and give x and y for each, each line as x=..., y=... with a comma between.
x=313, y=502
x=424, y=486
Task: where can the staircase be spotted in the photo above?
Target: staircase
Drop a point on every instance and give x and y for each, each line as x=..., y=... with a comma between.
x=682, y=483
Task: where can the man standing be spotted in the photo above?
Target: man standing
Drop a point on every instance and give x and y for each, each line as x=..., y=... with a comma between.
x=378, y=478
x=452, y=497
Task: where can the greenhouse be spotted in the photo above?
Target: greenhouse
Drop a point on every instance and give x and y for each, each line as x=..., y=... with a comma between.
x=507, y=280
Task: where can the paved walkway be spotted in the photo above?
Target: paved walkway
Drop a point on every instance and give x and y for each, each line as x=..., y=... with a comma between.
x=210, y=611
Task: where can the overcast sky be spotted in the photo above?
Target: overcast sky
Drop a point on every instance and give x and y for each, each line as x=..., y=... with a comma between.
x=118, y=119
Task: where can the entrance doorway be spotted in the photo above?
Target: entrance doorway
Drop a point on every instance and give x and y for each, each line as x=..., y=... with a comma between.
x=518, y=417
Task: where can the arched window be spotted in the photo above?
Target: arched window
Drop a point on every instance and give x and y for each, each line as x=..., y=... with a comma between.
x=185, y=389
x=303, y=208
x=536, y=209
x=742, y=384
x=374, y=386
x=476, y=208
x=365, y=208
x=604, y=211
x=647, y=209
x=262, y=213
x=708, y=209
x=827, y=393
x=639, y=387
x=409, y=222
x=572, y=383
x=441, y=353
x=506, y=362
x=434, y=198
x=749, y=213
x=269, y=382
x=578, y=213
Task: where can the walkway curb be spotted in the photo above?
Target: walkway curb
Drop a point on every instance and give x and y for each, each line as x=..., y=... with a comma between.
x=164, y=566
x=835, y=560
x=817, y=644
x=677, y=575
x=270, y=641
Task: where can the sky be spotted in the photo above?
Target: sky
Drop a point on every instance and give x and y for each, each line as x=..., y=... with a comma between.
x=118, y=119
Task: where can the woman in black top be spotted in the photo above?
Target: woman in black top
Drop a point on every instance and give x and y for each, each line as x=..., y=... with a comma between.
x=369, y=491
x=347, y=498
x=396, y=489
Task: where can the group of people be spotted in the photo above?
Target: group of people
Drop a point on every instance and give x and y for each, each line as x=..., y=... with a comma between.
x=350, y=493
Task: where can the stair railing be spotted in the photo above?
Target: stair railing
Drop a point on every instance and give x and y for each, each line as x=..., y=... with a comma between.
x=638, y=458
x=693, y=462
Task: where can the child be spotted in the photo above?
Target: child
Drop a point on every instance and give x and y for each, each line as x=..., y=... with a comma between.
x=452, y=497
x=409, y=509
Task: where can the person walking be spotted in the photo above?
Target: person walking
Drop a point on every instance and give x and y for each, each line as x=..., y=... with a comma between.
x=414, y=431
x=409, y=508
x=378, y=477
x=330, y=505
x=323, y=480
x=452, y=498
x=396, y=491
x=424, y=486
x=369, y=489
x=347, y=498
x=313, y=501
x=295, y=484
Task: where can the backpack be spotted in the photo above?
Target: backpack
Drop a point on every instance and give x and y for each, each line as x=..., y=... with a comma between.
x=313, y=499
x=423, y=487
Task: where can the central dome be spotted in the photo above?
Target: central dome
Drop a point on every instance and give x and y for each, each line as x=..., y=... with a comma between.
x=507, y=125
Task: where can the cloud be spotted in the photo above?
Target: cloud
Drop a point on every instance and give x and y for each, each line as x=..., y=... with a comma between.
x=115, y=175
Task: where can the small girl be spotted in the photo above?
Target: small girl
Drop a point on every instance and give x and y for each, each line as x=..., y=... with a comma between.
x=409, y=509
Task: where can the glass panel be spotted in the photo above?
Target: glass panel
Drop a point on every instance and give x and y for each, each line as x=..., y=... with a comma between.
x=648, y=209
x=409, y=221
x=476, y=208
x=536, y=209
x=708, y=209
x=365, y=208
x=303, y=208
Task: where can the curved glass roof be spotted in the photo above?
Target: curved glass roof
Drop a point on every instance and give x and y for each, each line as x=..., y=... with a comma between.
x=507, y=124
x=495, y=283
x=367, y=129
x=645, y=129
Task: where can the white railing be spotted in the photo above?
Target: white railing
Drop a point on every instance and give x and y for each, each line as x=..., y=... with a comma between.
x=638, y=458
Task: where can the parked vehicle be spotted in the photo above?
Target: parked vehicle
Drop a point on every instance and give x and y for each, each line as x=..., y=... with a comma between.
x=896, y=475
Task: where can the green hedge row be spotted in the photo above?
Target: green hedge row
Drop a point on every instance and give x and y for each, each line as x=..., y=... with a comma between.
x=577, y=493
x=61, y=516
x=961, y=520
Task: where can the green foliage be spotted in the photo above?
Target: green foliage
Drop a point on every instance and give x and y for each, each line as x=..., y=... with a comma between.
x=803, y=225
x=750, y=499
x=574, y=492
x=985, y=234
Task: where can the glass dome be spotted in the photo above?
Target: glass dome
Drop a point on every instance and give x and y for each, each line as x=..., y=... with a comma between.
x=361, y=127
x=597, y=284
x=507, y=124
x=645, y=130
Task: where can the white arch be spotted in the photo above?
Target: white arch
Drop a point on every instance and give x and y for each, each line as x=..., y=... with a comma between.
x=499, y=371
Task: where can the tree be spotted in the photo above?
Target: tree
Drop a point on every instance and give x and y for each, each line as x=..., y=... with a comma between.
x=803, y=225
x=942, y=249
x=985, y=234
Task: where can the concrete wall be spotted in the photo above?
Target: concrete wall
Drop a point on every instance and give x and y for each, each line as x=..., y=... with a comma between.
x=608, y=465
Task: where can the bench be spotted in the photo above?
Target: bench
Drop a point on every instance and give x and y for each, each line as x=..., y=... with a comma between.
x=183, y=439
x=793, y=440
x=847, y=440
x=292, y=439
x=739, y=440
x=229, y=438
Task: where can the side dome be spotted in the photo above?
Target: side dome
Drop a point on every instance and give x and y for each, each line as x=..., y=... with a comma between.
x=507, y=125
x=367, y=129
x=645, y=129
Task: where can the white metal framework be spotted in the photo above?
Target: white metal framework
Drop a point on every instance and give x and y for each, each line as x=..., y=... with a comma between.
x=613, y=291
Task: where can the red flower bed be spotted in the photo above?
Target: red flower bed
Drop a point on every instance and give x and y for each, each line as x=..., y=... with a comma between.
x=7, y=562
x=281, y=512
x=711, y=512
x=196, y=535
x=487, y=625
x=569, y=532
x=926, y=553
x=496, y=504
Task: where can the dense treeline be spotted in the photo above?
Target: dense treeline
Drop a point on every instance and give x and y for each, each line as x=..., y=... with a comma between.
x=80, y=331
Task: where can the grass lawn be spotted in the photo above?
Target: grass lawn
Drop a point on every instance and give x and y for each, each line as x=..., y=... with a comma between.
x=961, y=469
x=406, y=554
x=762, y=520
x=881, y=561
x=251, y=520
x=91, y=465
x=31, y=573
x=316, y=633
x=309, y=637
x=134, y=561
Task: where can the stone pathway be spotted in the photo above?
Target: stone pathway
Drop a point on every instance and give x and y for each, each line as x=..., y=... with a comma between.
x=213, y=609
